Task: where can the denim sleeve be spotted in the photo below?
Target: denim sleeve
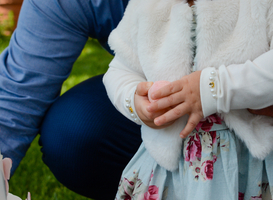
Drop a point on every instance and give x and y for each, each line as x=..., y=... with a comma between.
x=49, y=37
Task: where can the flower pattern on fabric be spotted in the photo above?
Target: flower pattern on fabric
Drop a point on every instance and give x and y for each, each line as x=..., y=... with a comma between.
x=207, y=170
x=208, y=140
x=193, y=148
x=256, y=197
x=207, y=123
x=199, y=154
x=264, y=192
x=152, y=193
x=202, y=148
x=241, y=196
x=224, y=145
x=145, y=179
x=133, y=188
x=126, y=187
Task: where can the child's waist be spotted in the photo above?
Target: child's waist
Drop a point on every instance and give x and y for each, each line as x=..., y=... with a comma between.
x=210, y=123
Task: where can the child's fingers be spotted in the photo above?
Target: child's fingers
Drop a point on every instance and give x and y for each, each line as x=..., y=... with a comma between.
x=141, y=103
x=143, y=88
x=169, y=89
x=172, y=114
x=153, y=115
x=167, y=102
x=193, y=120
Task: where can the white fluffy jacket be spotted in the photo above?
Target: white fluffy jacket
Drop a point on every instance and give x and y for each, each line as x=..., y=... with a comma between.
x=153, y=42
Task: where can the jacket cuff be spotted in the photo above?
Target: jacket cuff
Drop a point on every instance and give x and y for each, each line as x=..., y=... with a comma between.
x=130, y=106
x=209, y=90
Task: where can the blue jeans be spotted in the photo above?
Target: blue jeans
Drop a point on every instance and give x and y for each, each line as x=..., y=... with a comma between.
x=86, y=142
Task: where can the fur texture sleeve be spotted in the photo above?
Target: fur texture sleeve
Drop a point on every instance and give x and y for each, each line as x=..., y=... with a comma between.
x=123, y=39
x=270, y=24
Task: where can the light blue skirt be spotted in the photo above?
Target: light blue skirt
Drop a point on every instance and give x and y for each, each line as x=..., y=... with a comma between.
x=215, y=165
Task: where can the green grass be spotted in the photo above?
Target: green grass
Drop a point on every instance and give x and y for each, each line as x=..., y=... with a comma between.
x=32, y=174
x=4, y=42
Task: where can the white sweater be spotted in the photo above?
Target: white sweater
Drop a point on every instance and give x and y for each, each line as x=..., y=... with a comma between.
x=234, y=38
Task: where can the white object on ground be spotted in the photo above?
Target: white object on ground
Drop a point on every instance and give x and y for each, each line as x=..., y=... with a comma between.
x=13, y=197
x=5, y=166
x=3, y=188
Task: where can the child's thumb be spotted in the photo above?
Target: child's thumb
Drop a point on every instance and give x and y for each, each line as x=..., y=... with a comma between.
x=143, y=88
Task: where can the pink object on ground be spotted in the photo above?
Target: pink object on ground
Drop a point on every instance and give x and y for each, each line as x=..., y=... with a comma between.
x=7, y=163
x=28, y=196
x=157, y=85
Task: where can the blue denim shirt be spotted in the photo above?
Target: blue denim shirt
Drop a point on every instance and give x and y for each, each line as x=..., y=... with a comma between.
x=49, y=37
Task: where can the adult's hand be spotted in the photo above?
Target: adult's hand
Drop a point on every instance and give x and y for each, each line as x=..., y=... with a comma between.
x=265, y=111
x=141, y=104
x=183, y=96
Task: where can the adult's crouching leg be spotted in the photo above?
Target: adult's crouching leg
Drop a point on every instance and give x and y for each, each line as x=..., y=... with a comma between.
x=86, y=142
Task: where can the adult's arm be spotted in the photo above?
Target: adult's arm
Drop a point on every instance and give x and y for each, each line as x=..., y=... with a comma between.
x=49, y=37
x=268, y=111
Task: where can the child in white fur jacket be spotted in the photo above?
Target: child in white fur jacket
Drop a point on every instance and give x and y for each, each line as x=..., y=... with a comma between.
x=226, y=152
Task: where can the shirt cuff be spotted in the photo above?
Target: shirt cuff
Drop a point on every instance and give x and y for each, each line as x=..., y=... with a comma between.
x=208, y=90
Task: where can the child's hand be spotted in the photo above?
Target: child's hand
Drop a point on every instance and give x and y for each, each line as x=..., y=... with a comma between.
x=141, y=104
x=184, y=96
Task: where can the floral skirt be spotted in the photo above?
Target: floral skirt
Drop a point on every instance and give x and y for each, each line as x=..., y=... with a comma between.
x=215, y=165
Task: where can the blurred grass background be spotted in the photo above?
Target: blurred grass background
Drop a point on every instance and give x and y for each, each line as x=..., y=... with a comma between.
x=32, y=174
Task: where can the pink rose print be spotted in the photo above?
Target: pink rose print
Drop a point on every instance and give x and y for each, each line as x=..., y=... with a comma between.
x=241, y=196
x=206, y=123
x=207, y=169
x=131, y=183
x=257, y=197
x=152, y=193
x=127, y=197
x=213, y=136
x=193, y=148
